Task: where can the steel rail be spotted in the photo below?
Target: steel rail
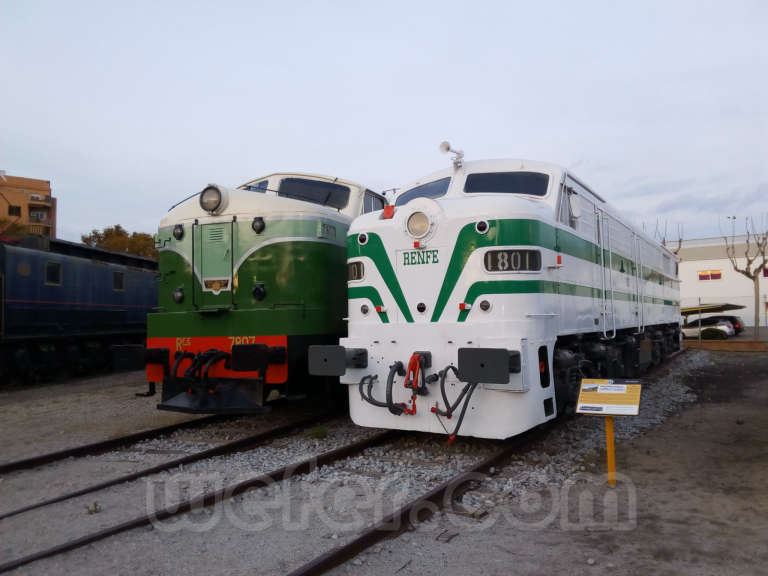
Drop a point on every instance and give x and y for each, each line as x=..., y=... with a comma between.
x=104, y=445
x=228, y=448
x=207, y=499
x=418, y=509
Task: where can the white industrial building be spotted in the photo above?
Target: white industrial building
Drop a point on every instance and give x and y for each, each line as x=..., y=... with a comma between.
x=706, y=273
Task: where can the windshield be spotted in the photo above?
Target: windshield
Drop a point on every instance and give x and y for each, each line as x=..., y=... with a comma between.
x=429, y=190
x=534, y=183
x=325, y=193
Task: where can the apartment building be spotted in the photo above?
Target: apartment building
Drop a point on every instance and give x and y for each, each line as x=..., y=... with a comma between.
x=28, y=202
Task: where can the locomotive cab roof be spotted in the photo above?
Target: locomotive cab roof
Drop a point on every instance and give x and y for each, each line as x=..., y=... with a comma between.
x=279, y=192
x=461, y=182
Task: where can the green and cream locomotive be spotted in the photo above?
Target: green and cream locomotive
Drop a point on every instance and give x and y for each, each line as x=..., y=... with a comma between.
x=479, y=300
x=248, y=278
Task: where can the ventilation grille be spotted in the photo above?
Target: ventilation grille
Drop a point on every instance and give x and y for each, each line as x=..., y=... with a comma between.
x=215, y=234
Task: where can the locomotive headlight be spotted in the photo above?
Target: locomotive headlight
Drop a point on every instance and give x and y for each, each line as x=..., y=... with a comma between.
x=178, y=295
x=178, y=231
x=258, y=225
x=418, y=224
x=210, y=199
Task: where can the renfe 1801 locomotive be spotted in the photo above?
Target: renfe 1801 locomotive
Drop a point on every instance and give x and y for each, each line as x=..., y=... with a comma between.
x=479, y=300
x=248, y=278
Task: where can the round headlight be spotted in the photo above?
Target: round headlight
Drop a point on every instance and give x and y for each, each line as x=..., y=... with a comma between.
x=258, y=225
x=178, y=295
x=210, y=199
x=259, y=292
x=178, y=231
x=418, y=224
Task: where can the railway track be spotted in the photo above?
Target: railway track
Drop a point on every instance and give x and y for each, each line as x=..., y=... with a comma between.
x=207, y=499
x=104, y=445
x=228, y=448
x=418, y=509
x=422, y=506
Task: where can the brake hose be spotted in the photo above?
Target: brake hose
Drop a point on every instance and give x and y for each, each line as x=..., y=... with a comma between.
x=396, y=368
x=367, y=395
x=449, y=408
x=452, y=437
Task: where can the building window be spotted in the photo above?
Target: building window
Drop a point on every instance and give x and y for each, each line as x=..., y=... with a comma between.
x=38, y=215
x=710, y=274
x=14, y=210
x=52, y=274
x=118, y=281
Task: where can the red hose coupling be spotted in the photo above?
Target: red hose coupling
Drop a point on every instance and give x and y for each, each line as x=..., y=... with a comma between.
x=450, y=440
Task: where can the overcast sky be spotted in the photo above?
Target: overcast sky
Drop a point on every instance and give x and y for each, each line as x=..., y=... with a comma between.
x=129, y=106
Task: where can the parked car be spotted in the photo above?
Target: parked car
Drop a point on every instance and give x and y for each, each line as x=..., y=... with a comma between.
x=719, y=329
x=736, y=321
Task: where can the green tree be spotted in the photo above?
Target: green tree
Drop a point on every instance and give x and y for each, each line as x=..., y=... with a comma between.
x=118, y=239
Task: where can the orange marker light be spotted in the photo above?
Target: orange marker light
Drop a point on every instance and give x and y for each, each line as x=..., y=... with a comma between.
x=388, y=212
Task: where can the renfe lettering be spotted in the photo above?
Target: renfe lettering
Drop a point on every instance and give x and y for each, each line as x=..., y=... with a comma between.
x=414, y=257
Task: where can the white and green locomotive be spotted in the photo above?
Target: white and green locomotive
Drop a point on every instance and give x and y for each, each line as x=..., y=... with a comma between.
x=482, y=297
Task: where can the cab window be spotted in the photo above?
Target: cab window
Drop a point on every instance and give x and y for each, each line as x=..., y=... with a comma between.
x=531, y=183
x=429, y=190
x=315, y=191
x=372, y=202
x=258, y=187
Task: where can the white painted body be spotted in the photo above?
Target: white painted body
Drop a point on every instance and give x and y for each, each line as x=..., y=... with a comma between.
x=515, y=321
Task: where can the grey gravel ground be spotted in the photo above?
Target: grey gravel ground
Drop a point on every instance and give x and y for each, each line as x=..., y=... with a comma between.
x=70, y=519
x=275, y=529
x=25, y=487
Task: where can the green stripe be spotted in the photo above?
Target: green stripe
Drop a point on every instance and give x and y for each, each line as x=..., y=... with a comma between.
x=374, y=249
x=545, y=287
x=370, y=293
x=528, y=233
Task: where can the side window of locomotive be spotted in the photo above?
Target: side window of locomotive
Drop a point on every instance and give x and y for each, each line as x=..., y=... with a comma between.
x=355, y=271
x=315, y=191
x=258, y=187
x=530, y=183
x=372, y=203
x=52, y=274
x=569, y=207
x=429, y=190
x=118, y=281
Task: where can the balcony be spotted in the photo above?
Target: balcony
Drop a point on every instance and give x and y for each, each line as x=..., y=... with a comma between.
x=39, y=229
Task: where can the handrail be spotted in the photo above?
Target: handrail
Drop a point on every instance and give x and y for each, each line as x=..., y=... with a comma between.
x=610, y=276
x=600, y=241
x=642, y=284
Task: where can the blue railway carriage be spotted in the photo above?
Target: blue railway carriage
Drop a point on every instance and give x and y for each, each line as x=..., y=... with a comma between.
x=63, y=305
x=479, y=301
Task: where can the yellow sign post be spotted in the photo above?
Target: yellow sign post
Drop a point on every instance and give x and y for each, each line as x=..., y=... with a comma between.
x=609, y=398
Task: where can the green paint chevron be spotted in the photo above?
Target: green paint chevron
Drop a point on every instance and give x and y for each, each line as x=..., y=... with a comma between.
x=368, y=293
x=374, y=249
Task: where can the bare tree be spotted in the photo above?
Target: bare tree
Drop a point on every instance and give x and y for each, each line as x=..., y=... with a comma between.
x=669, y=245
x=755, y=259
